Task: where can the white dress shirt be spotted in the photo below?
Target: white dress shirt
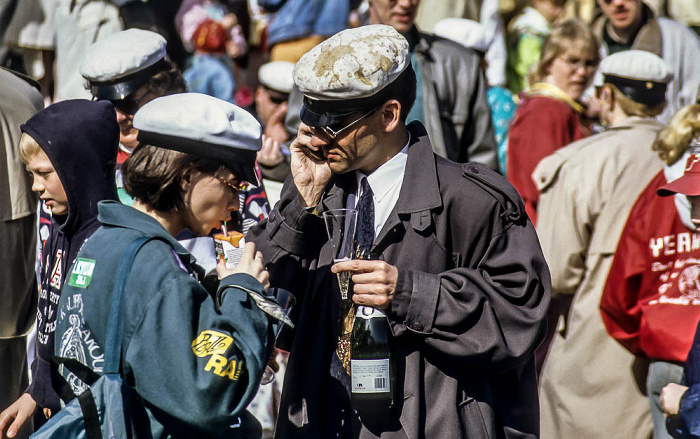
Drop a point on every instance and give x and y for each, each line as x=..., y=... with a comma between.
x=385, y=182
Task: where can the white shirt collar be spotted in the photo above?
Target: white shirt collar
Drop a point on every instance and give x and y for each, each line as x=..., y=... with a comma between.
x=385, y=177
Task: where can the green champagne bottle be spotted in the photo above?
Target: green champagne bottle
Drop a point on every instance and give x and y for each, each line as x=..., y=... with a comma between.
x=371, y=367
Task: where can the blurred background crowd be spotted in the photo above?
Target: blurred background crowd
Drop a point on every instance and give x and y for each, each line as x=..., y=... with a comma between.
x=521, y=86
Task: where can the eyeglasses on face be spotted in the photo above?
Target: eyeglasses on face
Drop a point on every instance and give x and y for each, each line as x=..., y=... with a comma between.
x=130, y=104
x=576, y=63
x=334, y=132
x=235, y=185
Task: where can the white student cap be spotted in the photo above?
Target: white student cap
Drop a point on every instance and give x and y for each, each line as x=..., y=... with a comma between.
x=640, y=75
x=277, y=75
x=119, y=64
x=349, y=71
x=202, y=125
x=466, y=32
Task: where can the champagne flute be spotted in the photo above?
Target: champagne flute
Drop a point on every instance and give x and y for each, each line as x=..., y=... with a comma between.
x=340, y=225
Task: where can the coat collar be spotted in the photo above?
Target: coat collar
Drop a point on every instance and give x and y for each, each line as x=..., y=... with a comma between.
x=113, y=213
x=420, y=190
x=649, y=36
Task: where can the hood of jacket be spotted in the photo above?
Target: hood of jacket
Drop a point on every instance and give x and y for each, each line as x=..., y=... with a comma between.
x=81, y=139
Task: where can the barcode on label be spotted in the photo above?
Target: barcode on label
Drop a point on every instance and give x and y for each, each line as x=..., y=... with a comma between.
x=380, y=383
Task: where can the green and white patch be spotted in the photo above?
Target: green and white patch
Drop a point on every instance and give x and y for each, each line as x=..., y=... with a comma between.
x=82, y=273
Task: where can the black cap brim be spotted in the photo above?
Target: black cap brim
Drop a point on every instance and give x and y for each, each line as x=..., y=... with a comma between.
x=116, y=91
x=122, y=87
x=241, y=162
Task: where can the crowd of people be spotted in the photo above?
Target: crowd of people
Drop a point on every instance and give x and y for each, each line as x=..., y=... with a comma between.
x=526, y=180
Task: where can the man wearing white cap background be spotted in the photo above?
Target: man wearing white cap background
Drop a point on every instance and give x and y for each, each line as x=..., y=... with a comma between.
x=586, y=192
x=130, y=68
x=632, y=24
x=451, y=96
x=453, y=260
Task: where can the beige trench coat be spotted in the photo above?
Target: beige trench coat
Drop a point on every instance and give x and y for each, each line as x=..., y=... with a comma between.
x=587, y=388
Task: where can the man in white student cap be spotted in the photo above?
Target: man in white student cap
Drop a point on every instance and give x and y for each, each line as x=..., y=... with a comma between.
x=130, y=68
x=587, y=190
x=442, y=242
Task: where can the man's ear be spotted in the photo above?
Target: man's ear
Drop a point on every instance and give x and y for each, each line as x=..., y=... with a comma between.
x=391, y=115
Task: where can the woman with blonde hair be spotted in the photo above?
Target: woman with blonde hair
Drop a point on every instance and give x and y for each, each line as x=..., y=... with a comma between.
x=550, y=114
x=675, y=139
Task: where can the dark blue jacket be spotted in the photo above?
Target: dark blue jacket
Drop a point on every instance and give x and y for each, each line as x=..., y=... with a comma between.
x=80, y=138
x=686, y=424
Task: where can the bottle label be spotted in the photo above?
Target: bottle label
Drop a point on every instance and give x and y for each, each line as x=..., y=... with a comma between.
x=367, y=312
x=370, y=376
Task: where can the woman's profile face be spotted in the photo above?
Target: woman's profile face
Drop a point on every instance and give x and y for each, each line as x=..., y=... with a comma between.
x=572, y=70
x=209, y=201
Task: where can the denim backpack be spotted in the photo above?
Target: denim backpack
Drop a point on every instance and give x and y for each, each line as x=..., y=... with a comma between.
x=103, y=410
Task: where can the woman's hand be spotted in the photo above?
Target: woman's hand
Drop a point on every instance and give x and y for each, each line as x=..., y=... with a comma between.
x=251, y=263
x=13, y=417
x=309, y=167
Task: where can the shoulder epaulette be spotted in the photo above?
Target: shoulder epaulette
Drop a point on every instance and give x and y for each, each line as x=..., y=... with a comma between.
x=494, y=183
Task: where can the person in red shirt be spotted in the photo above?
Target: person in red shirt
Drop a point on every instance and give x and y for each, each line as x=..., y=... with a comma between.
x=651, y=300
x=550, y=114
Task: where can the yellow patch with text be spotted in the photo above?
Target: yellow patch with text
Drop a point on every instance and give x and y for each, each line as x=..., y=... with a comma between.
x=214, y=344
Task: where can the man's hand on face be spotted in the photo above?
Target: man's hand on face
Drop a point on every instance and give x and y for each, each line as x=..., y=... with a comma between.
x=374, y=281
x=309, y=167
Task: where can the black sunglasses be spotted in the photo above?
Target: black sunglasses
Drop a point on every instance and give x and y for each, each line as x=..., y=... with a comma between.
x=130, y=104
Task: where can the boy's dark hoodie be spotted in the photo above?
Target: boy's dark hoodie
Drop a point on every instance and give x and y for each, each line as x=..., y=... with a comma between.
x=81, y=139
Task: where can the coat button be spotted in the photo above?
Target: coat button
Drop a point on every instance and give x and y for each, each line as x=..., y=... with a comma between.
x=473, y=169
x=417, y=326
x=272, y=216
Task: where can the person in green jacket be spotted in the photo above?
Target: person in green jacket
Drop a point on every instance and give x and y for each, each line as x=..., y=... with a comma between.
x=194, y=356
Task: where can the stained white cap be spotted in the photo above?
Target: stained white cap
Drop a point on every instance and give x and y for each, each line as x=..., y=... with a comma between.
x=341, y=74
x=354, y=63
x=640, y=75
x=277, y=75
x=202, y=125
x=468, y=33
x=120, y=63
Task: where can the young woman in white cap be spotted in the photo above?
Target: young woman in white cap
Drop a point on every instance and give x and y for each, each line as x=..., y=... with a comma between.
x=185, y=384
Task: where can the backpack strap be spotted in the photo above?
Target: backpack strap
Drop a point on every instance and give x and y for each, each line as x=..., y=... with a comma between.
x=113, y=345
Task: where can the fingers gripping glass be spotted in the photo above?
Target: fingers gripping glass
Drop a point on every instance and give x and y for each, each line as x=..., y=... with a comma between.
x=333, y=132
x=130, y=104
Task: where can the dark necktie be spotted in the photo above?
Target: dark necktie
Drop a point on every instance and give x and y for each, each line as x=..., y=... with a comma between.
x=365, y=221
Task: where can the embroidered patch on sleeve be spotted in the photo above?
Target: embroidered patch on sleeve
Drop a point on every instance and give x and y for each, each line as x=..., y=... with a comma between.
x=214, y=344
x=81, y=275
